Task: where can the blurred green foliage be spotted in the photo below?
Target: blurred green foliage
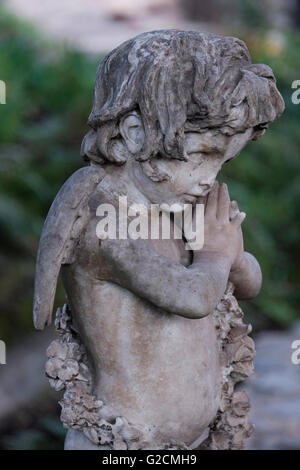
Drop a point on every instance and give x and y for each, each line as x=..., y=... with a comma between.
x=49, y=95
x=251, y=13
x=265, y=179
x=46, y=433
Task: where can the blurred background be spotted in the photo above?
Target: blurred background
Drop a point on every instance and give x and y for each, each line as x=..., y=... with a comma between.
x=49, y=52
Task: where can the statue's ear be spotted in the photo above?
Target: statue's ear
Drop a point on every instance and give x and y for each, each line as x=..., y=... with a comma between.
x=132, y=131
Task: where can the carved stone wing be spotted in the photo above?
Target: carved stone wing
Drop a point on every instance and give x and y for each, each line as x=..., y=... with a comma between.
x=58, y=237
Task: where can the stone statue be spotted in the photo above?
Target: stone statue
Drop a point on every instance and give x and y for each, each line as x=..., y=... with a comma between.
x=152, y=341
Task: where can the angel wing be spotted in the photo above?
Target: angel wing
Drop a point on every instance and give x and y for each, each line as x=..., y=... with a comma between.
x=58, y=238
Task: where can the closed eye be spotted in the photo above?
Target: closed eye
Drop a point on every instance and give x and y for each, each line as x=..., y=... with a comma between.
x=194, y=157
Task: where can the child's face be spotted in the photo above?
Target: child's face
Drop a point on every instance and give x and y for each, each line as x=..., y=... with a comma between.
x=206, y=153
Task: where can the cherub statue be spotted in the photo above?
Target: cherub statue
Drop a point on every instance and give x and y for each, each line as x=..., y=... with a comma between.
x=152, y=339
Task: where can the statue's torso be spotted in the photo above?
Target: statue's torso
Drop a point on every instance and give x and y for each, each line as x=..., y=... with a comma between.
x=152, y=367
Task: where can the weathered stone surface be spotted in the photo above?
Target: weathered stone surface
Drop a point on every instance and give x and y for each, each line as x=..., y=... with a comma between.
x=82, y=411
x=156, y=341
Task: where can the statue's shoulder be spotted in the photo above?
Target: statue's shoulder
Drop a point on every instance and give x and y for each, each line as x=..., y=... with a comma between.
x=62, y=227
x=79, y=186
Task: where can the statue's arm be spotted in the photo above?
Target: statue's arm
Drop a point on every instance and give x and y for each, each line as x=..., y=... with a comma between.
x=190, y=292
x=247, y=277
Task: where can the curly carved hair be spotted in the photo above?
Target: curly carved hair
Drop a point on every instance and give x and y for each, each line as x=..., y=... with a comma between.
x=173, y=78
